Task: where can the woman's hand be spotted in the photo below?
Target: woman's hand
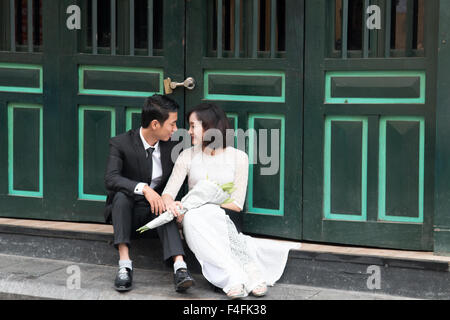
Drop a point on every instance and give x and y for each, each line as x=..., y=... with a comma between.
x=172, y=206
x=231, y=206
x=180, y=218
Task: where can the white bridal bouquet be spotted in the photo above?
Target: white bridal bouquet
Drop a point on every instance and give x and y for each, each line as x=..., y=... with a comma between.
x=203, y=192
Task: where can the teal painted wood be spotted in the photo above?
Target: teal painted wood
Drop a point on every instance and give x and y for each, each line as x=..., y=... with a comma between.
x=168, y=61
x=60, y=64
x=273, y=22
x=81, y=143
x=132, y=22
x=441, y=217
x=237, y=26
x=382, y=214
x=23, y=89
x=345, y=29
x=371, y=100
x=365, y=30
x=11, y=153
x=55, y=170
x=373, y=231
x=252, y=209
x=150, y=27
x=219, y=29
x=94, y=35
x=249, y=98
x=409, y=32
x=30, y=26
x=328, y=214
x=5, y=26
x=83, y=90
x=113, y=27
x=129, y=117
x=60, y=67
x=255, y=8
x=388, y=24
x=376, y=42
x=12, y=26
x=283, y=221
x=235, y=118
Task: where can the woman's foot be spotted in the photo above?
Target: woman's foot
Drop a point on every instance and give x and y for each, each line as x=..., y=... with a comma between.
x=260, y=290
x=236, y=292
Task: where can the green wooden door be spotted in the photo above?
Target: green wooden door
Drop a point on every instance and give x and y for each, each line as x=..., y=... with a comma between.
x=59, y=106
x=80, y=87
x=23, y=143
x=246, y=57
x=370, y=123
x=116, y=70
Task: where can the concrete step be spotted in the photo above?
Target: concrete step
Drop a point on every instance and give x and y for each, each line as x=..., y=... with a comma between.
x=388, y=272
x=36, y=278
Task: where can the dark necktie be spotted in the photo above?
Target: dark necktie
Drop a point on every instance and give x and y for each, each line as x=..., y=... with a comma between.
x=150, y=163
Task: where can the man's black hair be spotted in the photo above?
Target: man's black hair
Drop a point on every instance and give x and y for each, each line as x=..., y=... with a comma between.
x=157, y=107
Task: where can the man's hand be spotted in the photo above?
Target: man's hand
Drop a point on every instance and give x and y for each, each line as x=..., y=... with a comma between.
x=172, y=206
x=156, y=204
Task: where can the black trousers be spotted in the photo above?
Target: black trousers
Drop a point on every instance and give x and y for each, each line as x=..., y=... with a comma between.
x=128, y=214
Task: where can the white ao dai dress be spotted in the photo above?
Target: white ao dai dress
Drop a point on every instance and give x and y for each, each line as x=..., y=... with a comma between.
x=227, y=258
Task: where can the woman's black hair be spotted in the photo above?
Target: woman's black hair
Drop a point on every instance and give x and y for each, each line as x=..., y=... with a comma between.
x=157, y=107
x=212, y=117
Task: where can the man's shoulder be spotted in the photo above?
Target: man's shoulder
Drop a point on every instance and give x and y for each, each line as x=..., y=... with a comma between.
x=124, y=138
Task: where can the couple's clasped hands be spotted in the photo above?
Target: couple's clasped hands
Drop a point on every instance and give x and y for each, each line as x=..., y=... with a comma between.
x=160, y=204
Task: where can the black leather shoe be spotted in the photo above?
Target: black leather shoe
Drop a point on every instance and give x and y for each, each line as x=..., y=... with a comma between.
x=124, y=280
x=183, y=280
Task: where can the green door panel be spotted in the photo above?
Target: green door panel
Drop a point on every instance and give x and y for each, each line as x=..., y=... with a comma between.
x=20, y=78
x=259, y=84
x=120, y=81
x=88, y=85
x=266, y=174
x=401, y=182
x=349, y=120
x=60, y=105
x=96, y=126
x=369, y=132
x=25, y=150
x=345, y=168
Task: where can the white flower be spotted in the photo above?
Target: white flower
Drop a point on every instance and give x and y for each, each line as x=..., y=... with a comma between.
x=205, y=191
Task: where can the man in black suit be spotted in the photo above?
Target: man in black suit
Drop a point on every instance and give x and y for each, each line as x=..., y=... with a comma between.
x=138, y=168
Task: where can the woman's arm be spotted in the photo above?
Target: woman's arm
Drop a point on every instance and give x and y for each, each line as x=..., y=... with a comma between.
x=231, y=206
x=175, y=182
x=240, y=182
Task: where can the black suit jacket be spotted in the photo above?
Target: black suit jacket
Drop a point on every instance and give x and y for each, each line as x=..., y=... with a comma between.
x=127, y=166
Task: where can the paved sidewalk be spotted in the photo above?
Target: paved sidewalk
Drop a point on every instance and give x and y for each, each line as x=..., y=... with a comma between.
x=36, y=278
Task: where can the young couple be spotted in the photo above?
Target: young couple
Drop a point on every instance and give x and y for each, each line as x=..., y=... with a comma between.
x=143, y=181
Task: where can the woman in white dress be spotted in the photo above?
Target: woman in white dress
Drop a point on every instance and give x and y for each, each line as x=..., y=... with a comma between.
x=230, y=260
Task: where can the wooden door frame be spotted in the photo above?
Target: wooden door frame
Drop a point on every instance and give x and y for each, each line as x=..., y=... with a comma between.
x=173, y=33
x=13, y=205
x=60, y=101
x=442, y=172
x=316, y=64
x=288, y=224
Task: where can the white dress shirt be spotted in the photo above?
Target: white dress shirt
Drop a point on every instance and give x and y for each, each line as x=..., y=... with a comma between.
x=157, y=167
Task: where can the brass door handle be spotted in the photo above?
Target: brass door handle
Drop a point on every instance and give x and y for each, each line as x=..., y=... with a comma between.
x=169, y=86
